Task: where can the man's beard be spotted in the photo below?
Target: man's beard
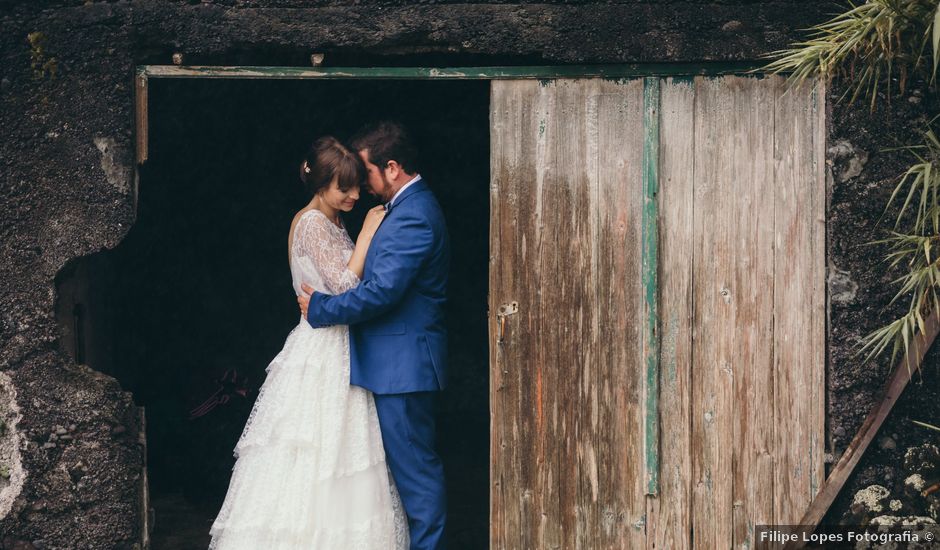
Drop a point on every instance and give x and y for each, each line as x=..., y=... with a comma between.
x=387, y=191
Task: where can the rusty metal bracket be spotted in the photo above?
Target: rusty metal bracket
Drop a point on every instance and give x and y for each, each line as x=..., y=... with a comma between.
x=505, y=310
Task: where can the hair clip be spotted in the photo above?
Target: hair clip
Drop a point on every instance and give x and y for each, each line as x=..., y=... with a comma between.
x=306, y=168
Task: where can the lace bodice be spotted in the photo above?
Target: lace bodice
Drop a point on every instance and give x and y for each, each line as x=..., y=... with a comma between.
x=320, y=252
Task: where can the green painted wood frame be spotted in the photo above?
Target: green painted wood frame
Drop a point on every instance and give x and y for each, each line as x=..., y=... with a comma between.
x=651, y=73
x=650, y=265
x=453, y=73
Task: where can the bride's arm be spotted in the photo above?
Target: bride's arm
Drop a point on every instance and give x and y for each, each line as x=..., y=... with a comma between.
x=398, y=258
x=357, y=262
x=327, y=252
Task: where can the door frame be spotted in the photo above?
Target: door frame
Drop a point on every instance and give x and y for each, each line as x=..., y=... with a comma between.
x=650, y=72
x=144, y=73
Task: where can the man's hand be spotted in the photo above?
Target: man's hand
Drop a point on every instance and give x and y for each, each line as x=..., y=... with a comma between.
x=304, y=299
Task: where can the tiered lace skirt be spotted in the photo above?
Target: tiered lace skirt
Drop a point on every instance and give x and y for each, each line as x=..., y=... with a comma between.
x=310, y=470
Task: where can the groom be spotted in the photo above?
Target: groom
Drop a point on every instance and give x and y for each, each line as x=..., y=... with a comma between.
x=398, y=342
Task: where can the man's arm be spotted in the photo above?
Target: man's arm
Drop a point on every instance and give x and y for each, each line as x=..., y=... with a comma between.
x=398, y=258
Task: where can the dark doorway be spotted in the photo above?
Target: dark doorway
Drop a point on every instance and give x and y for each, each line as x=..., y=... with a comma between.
x=201, y=285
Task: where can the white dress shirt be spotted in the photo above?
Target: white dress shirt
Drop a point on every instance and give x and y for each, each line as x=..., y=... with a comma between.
x=403, y=187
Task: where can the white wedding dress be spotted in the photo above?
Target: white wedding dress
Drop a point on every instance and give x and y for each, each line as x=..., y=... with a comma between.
x=310, y=470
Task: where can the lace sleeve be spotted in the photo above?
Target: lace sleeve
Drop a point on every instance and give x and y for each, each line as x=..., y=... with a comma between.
x=328, y=251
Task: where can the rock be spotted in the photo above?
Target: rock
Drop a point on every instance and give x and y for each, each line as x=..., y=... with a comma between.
x=848, y=159
x=887, y=444
x=924, y=459
x=77, y=472
x=732, y=26
x=840, y=150
x=118, y=430
x=915, y=481
x=895, y=505
x=914, y=99
x=839, y=431
x=871, y=497
x=48, y=445
x=902, y=521
x=842, y=289
x=61, y=430
x=116, y=172
x=5, y=85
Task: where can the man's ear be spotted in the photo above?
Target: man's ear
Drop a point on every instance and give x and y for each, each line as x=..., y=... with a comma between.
x=394, y=170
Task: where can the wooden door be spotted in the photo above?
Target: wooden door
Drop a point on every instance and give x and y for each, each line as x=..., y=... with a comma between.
x=672, y=408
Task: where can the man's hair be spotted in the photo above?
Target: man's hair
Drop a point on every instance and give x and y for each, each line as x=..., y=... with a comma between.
x=387, y=140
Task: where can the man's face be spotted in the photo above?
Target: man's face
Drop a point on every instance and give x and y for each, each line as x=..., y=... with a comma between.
x=379, y=185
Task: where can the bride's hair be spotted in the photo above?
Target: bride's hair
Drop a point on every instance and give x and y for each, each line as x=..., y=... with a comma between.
x=327, y=158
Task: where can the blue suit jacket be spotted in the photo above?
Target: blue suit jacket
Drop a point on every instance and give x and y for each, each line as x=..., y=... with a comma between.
x=398, y=342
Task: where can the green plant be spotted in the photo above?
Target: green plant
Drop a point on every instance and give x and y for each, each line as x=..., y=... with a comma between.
x=917, y=249
x=926, y=425
x=41, y=63
x=869, y=44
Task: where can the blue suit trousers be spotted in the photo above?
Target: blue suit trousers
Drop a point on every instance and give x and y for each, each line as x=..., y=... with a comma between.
x=407, y=424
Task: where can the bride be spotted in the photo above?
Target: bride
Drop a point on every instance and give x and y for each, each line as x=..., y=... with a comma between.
x=310, y=470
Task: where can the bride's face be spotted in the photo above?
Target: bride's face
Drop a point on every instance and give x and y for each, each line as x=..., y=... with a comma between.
x=339, y=199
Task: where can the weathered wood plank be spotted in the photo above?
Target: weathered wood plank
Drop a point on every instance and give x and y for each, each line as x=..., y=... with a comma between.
x=751, y=172
x=510, y=118
x=543, y=330
x=142, y=129
x=567, y=191
x=597, y=346
x=567, y=406
x=713, y=319
x=617, y=408
x=799, y=220
x=669, y=521
x=819, y=304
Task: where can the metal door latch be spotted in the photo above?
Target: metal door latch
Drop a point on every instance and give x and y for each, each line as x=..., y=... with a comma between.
x=505, y=310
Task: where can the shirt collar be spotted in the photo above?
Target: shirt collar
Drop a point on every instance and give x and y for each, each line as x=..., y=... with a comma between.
x=403, y=187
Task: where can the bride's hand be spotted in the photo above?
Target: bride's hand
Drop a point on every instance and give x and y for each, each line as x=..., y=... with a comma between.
x=303, y=300
x=372, y=221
